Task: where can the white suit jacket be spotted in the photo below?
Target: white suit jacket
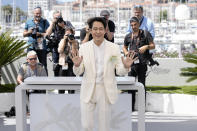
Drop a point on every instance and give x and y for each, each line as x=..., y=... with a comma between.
x=112, y=61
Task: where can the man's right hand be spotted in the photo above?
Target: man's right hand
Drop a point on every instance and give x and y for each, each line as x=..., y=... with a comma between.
x=30, y=31
x=87, y=30
x=76, y=59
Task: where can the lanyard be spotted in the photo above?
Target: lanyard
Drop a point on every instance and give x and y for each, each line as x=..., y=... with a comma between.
x=135, y=40
x=141, y=20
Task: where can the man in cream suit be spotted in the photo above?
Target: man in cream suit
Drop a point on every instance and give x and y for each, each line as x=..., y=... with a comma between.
x=98, y=59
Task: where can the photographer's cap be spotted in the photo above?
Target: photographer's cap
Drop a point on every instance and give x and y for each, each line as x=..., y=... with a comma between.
x=104, y=13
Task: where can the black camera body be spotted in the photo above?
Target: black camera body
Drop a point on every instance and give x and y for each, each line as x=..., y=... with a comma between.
x=34, y=32
x=52, y=42
x=71, y=36
x=149, y=59
x=59, y=19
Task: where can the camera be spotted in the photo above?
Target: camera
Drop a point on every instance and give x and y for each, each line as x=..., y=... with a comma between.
x=52, y=42
x=146, y=59
x=71, y=36
x=34, y=32
x=11, y=112
x=151, y=61
x=59, y=19
x=104, y=18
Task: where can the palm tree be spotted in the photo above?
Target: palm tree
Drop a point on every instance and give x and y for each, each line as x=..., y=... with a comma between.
x=190, y=72
x=11, y=49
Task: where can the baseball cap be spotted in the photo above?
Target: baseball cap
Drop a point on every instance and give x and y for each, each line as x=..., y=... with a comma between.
x=104, y=13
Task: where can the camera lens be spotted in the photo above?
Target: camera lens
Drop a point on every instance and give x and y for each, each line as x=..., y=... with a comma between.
x=71, y=36
x=59, y=19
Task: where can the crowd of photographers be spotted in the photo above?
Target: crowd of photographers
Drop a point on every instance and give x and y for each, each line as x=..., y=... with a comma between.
x=61, y=40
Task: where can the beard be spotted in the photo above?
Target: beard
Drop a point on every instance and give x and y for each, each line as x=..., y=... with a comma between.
x=32, y=64
x=37, y=18
x=135, y=30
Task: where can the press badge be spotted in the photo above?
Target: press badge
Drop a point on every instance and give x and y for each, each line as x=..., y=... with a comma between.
x=40, y=43
x=65, y=67
x=136, y=61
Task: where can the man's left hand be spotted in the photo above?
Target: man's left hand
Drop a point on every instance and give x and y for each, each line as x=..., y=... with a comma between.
x=129, y=59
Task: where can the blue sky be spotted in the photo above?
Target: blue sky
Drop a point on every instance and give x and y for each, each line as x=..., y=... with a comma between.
x=19, y=3
x=23, y=3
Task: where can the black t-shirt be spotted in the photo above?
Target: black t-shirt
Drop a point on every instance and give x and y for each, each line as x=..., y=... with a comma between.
x=143, y=38
x=59, y=31
x=111, y=26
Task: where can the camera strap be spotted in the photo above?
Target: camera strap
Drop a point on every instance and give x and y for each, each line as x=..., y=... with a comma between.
x=135, y=40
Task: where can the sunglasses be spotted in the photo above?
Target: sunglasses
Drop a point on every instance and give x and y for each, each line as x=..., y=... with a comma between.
x=32, y=59
x=139, y=7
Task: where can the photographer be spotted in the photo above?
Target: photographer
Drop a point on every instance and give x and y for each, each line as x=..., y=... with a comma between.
x=57, y=27
x=67, y=46
x=139, y=41
x=86, y=36
x=110, y=28
x=35, y=31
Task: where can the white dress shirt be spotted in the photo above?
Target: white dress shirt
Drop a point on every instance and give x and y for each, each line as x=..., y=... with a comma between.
x=99, y=52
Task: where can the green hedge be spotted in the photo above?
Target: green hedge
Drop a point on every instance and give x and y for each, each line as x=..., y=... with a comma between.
x=7, y=88
x=192, y=90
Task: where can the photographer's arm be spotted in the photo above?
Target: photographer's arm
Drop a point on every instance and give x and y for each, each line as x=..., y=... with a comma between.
x=50, y=29
x=110, y=30
x=61, y=45
x=87, y=36
x=110, y=35
x=151, y=46
x=26, y=33
x=19, y=79
x=147, y=47
x=125, y=50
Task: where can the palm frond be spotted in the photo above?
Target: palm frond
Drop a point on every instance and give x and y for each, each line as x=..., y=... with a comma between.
x=191, y=79
x=190, y=72
x=191, y=58
x=189, y=69
x=11, y=48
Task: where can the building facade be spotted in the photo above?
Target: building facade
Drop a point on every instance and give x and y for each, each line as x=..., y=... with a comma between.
x=44, y=4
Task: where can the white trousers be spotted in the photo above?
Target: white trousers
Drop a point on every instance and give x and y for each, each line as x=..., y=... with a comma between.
x=101, y=102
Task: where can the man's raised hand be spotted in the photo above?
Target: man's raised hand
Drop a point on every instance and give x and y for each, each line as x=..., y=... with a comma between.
x=76, y=59
x=129, y=59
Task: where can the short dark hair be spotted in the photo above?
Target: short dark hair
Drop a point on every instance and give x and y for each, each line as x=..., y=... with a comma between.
x=98, y=19
x=38, y=7
x=89, y=20
x=138, y=7
x=70, y=29
x=134, y=19
x=104, y=13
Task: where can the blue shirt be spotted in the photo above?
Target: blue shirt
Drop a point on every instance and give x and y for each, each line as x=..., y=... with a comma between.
x=146, y=24
x=42, y=27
